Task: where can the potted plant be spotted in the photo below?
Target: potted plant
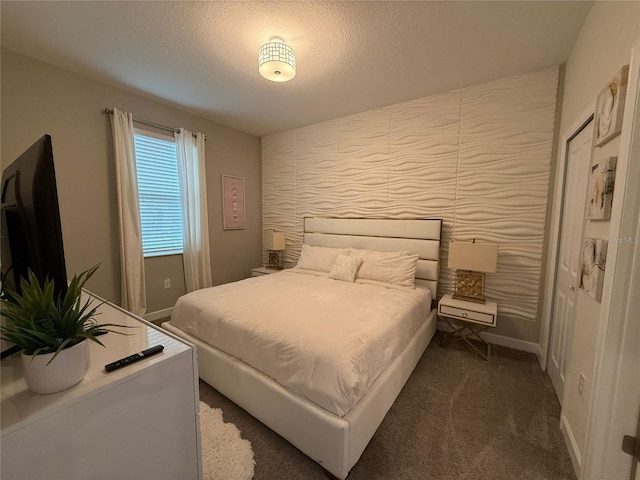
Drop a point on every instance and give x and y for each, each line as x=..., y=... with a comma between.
x=54, y=333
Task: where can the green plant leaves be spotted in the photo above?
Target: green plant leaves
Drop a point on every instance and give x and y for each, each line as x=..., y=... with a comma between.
x=39, y=323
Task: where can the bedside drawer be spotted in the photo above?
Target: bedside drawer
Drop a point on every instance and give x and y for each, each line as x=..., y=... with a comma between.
x=468, y=315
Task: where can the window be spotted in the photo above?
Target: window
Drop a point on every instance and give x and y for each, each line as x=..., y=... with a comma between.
x=159, y=191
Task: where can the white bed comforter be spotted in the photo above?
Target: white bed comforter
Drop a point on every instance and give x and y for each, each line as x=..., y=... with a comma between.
x=324, y=339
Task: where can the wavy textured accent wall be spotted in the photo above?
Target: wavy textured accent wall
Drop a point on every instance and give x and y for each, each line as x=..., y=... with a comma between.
x=479, y=158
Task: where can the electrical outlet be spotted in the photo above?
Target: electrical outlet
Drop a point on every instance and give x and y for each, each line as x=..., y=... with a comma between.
x=167, y=283
x=581, y=384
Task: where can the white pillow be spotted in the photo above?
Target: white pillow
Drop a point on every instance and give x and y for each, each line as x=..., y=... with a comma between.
x=397, y=268
x=345, y=268
x=364, y=254
x=318, y=258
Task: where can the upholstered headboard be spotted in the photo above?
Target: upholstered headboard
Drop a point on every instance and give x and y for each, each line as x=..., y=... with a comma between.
x=421, y=236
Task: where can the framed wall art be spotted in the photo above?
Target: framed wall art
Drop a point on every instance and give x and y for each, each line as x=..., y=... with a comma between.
x=233, y=203
x=593, y=260
x=600, y=190
x=610, y=108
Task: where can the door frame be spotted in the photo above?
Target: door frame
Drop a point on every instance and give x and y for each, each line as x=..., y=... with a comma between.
x=554, y=234
x=613, y=318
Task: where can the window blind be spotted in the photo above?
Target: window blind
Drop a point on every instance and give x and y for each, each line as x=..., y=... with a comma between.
x=159, y=192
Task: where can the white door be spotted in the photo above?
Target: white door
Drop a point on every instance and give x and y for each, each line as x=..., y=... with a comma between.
x=630, y=354
x=629, y=402
x=623, y=403
x=635, y=462
x=578, y=163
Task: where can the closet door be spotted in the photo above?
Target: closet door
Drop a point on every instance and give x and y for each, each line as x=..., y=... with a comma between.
x=578, y=163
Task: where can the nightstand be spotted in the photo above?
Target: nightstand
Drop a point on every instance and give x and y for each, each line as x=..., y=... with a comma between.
x=476, y=318
x=258, y=272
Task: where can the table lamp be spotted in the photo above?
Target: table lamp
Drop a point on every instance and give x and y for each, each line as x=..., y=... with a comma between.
x=472, y=260
x=274, y=243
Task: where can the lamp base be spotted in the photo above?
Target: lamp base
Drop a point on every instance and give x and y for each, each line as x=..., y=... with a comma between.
x=469, y=286
x=274, y=260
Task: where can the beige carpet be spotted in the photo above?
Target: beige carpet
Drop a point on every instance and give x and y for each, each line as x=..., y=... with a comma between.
x=225, y=455
x=457, y=418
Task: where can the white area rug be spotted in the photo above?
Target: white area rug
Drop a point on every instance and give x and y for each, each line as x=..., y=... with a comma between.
x=225, y=455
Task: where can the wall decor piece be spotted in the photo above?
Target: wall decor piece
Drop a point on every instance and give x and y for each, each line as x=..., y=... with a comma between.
x=593, y=259
x=233, y=202
x=600, y=190
x=610, y=108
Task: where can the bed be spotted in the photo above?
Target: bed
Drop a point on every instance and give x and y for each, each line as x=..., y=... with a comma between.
x=332, y=424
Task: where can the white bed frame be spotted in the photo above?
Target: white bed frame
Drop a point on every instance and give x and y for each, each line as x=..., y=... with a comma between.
x=334, y=442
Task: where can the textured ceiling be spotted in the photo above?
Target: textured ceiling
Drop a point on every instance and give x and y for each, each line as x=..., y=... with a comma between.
x=351, y=56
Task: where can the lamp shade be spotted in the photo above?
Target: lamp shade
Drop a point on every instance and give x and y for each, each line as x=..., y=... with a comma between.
x=274, y=240
x=477, y=257
x=277, y=61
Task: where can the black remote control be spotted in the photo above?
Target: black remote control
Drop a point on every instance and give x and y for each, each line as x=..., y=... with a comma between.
x=123, y=362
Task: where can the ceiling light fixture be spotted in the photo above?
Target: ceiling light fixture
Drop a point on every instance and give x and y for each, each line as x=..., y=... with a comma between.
x=277, y=61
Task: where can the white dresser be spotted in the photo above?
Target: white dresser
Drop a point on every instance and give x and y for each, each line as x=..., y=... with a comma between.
x=137, y=422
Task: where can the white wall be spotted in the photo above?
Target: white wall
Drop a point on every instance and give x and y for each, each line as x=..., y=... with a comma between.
x=38, y=98
x=603, y=46
x=478, y=158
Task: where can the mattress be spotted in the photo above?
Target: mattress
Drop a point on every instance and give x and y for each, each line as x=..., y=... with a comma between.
x=323, y=339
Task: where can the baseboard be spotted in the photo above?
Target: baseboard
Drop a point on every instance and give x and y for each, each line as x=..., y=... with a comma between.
x=508, y=342
x=157, y=315
x=572, y=446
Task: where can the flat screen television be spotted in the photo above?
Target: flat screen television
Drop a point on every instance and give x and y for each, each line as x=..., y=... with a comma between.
x=31, y=229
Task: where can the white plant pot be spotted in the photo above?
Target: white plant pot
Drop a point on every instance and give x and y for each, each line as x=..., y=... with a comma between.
x=65, y=371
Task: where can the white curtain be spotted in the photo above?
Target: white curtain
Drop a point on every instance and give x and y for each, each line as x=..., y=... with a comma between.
x=195, y=224
x=131, y=258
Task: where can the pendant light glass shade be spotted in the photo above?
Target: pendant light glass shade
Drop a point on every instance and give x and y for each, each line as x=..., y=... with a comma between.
x=277, y=61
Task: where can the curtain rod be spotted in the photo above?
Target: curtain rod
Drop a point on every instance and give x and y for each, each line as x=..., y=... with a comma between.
x=108, y=111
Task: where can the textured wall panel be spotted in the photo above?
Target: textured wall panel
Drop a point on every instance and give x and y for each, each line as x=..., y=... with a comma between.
x=478, y=158
x=316, y=176
x=278, y=189
x=424, y=162
x=362, y=173
x=506, y=135
x=517, y=279
x=423, y=157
